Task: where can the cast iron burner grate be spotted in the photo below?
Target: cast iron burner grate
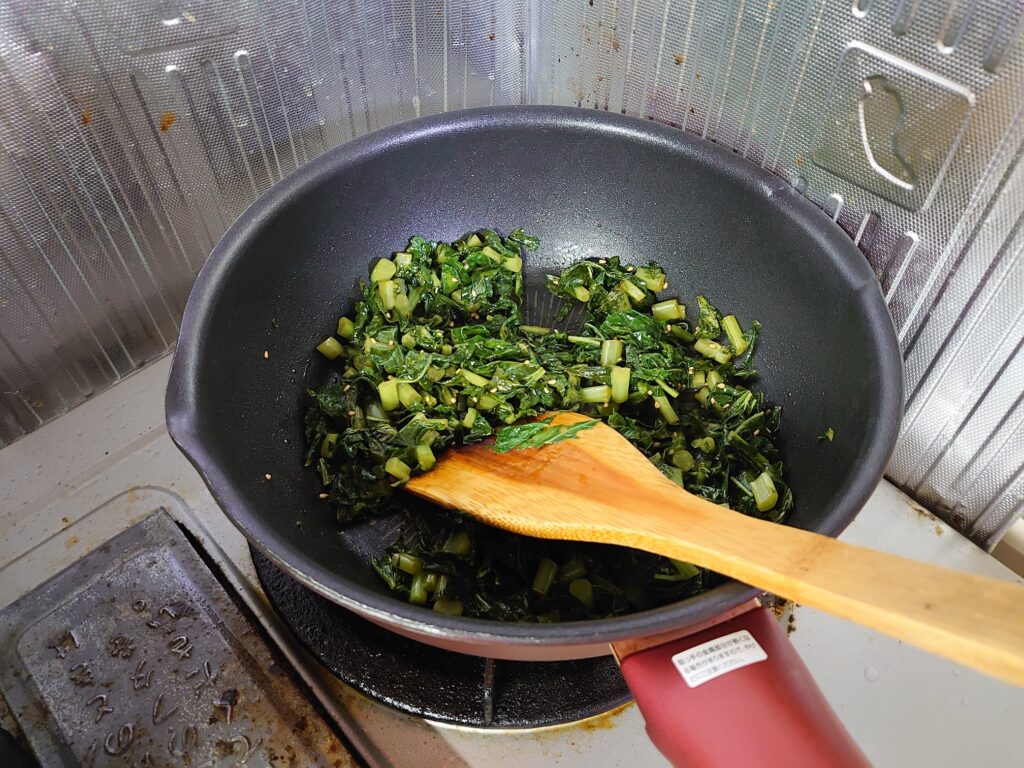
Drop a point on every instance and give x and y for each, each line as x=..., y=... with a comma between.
x=441, y=685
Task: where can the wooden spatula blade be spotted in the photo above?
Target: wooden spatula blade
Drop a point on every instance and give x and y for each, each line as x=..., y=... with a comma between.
x=575, y=488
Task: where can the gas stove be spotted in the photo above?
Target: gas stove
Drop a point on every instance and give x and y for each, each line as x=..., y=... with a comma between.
x=105, y=479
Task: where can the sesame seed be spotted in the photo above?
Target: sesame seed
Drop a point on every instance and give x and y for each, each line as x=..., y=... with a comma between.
x=602, y=261
x=690, y=369
x=668, y=326
x=266, y=476
x=630, y=268
x=552, y=382
x=455, y=400
x=324, y=495
x=346, y=388
x=757, y=432
x=391, y=342
x=494, y=389
x=721, y=385
x=351, y=414
x=474, y=398
x=657, y=404
x=266, y=355
x=713, y=401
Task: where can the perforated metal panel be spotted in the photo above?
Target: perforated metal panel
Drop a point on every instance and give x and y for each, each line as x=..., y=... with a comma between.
x=133, y=132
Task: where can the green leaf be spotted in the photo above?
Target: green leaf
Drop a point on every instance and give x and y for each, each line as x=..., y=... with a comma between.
x=537, y=434
x=709, y=320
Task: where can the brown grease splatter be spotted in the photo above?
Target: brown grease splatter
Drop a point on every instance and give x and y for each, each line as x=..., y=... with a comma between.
x=86, y=117
x=167, y=121
x=605, y=720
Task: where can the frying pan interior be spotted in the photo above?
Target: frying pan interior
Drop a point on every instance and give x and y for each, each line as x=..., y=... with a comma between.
x=589, y=185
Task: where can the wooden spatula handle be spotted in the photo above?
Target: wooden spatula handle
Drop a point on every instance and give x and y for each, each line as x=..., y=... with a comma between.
x=975, y=621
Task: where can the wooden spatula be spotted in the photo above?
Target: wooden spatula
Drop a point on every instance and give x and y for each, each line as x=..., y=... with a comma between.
x=597, y=487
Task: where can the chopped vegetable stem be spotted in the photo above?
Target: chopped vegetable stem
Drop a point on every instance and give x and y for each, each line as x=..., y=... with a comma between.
x=597, y=394
x=732, y=329
x=382, y=270
x=409, y=564
x=397, y=468
x=667, y=310
x=712, y=350
x=448, y=607
x=424, y=457
x=346, y=328
x=574, y=569
x=459, y=544
x=665, y=409
x=418, y=589
x=388, y=391
x=329, y=445
x=474, y=378
x=408, y=395
x=330, y=348
x=611, y=352
x=632, y=290
x=544, y=576
x=620, y=384
x=583, y=591
x=765, y=494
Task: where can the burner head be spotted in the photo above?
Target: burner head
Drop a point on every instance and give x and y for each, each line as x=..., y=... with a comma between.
x=440, y=685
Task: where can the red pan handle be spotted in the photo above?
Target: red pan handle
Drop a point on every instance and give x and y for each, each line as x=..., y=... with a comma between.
x=767, y=713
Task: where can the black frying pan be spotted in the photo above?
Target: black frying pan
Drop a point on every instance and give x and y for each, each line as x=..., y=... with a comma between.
x=588, y=184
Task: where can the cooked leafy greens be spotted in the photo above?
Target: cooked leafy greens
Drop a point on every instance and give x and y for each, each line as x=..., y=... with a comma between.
x=437, y=354
x=537, y=434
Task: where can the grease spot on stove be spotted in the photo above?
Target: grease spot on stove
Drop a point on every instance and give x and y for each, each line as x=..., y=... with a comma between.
x=605, y=720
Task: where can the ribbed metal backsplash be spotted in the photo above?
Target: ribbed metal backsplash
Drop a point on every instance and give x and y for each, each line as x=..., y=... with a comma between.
x=132, y=133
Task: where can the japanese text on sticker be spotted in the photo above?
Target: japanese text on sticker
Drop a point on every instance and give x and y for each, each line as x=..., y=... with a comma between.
x=716, y=657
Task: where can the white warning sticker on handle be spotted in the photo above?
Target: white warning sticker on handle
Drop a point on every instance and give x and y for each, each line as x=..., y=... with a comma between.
x=714, y=658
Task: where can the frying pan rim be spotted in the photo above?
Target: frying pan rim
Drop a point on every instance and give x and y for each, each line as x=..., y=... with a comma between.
x=182, y=414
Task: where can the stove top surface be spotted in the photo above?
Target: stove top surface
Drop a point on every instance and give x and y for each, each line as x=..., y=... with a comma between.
x=70, y=487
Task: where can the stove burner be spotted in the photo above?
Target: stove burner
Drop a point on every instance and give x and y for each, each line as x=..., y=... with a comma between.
x=440, y=685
